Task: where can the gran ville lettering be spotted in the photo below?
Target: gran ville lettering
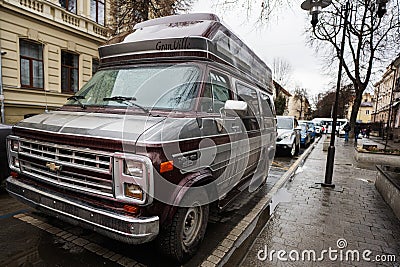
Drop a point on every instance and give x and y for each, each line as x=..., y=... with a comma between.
x=175, y=45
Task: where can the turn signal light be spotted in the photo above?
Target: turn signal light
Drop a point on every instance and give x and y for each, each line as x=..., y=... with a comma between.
x=131, y=209
x=166, y=166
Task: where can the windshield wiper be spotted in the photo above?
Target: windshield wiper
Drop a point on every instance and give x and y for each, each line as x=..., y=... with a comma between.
x=126, y=99
x=77, y=98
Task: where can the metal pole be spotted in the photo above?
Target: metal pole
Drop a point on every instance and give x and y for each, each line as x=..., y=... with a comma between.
x=1, y=88
x=389, y=121
x=331, y=149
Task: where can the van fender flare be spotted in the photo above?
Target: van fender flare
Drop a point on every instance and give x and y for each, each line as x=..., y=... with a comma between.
x=202, y=177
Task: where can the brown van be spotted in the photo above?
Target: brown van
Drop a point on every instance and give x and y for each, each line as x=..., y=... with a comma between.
x=178, y=119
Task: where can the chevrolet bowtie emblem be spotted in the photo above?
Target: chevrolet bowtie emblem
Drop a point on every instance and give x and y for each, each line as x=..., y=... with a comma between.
x=53, y=167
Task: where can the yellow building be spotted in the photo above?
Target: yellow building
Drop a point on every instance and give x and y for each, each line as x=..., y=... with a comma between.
x=299, y=107
x=49, y=51
x=366, y=109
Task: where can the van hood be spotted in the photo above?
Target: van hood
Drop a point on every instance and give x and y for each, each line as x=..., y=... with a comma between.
x=92, y=125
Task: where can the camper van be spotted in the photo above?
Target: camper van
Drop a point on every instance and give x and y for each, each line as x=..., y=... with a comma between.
x=178, y=120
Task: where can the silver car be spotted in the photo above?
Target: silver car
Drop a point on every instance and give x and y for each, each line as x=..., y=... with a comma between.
x=288, y=136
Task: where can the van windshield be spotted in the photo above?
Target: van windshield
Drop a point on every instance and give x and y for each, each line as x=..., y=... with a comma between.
x=285, y=123
x=171, y=87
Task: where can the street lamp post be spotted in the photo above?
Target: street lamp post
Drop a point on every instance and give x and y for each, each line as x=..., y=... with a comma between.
x=315, y=7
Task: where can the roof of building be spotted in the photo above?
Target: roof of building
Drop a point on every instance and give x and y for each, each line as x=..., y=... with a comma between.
x=366, y=104
x=281, y=89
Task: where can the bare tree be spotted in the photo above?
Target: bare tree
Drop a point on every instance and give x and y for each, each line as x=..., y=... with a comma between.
x=126, y=13
x=300, y=94
x=282, y=71
x=260, y=11
x=369, y=40
x=324, y=103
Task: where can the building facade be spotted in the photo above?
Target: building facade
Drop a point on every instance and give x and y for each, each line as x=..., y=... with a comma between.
x=387, y=96
x=281, y=99
x=366, y=110
x=49, y=51
x=299, y=107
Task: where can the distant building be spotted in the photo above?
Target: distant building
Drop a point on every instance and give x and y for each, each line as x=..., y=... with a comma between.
x=366, y=109
x=299, y=107
x=50, y=51
x=281, y=95
x=387, y=95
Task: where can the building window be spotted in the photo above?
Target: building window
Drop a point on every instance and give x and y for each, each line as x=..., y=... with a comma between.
x=95, y=65
x=367, y=112
x=69, y=72
x=69, y=5
x=31, y=59
x=97, y=11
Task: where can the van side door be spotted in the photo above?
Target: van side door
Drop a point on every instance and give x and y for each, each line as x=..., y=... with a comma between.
x=221, y=128
x=250, y=141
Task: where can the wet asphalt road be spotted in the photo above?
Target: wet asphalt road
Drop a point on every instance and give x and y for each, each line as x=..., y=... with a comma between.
x=46, y=241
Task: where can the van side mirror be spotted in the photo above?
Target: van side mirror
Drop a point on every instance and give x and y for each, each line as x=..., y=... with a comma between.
x=239, y=107
x=235, y=105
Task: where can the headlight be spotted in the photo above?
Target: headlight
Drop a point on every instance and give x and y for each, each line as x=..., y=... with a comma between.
x=285, y=136
x=14, y=145
x=133, y=168
x=133, y=191
x=14, y=162
x=133, y=178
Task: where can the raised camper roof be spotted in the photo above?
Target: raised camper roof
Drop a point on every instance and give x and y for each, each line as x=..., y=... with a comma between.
x=199, y=35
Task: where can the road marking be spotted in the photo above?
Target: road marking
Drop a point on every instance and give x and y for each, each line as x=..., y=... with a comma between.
x=78, y=241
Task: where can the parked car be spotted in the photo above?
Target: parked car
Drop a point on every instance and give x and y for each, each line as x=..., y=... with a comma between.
x=288, y=137
x=165, y=129
x=320, y=125
x=318, y=128
x=311, y=129
x=5, y=130
x=305, y=135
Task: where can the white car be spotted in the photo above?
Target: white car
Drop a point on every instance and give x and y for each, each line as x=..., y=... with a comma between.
x=288, y=136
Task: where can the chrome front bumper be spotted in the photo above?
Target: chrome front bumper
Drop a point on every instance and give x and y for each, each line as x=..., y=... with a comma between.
x=116, y=226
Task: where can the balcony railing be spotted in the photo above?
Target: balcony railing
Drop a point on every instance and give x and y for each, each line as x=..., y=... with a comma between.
x=32, y=4
x=58, y=14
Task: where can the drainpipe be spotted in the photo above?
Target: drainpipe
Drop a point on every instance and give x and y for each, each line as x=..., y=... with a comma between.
x=1, y=89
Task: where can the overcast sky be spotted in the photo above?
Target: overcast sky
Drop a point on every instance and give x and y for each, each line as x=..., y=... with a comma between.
x=283, y=37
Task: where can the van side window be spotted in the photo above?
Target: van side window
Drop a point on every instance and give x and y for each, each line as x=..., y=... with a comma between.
x=216, y=93
x=266, y=105
x=251, y=120
x=250, y=96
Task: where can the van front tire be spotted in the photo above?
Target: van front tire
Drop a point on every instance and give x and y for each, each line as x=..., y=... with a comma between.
x=181, y=238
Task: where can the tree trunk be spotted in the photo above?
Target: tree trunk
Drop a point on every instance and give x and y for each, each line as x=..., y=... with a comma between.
x=359, y=90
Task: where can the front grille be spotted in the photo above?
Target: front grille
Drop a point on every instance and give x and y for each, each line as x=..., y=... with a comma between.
x=73, y=168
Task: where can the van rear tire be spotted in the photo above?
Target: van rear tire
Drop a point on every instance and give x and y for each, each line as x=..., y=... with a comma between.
x=180, y=239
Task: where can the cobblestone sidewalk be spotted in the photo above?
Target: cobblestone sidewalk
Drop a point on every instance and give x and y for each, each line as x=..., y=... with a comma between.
x=355, y=219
